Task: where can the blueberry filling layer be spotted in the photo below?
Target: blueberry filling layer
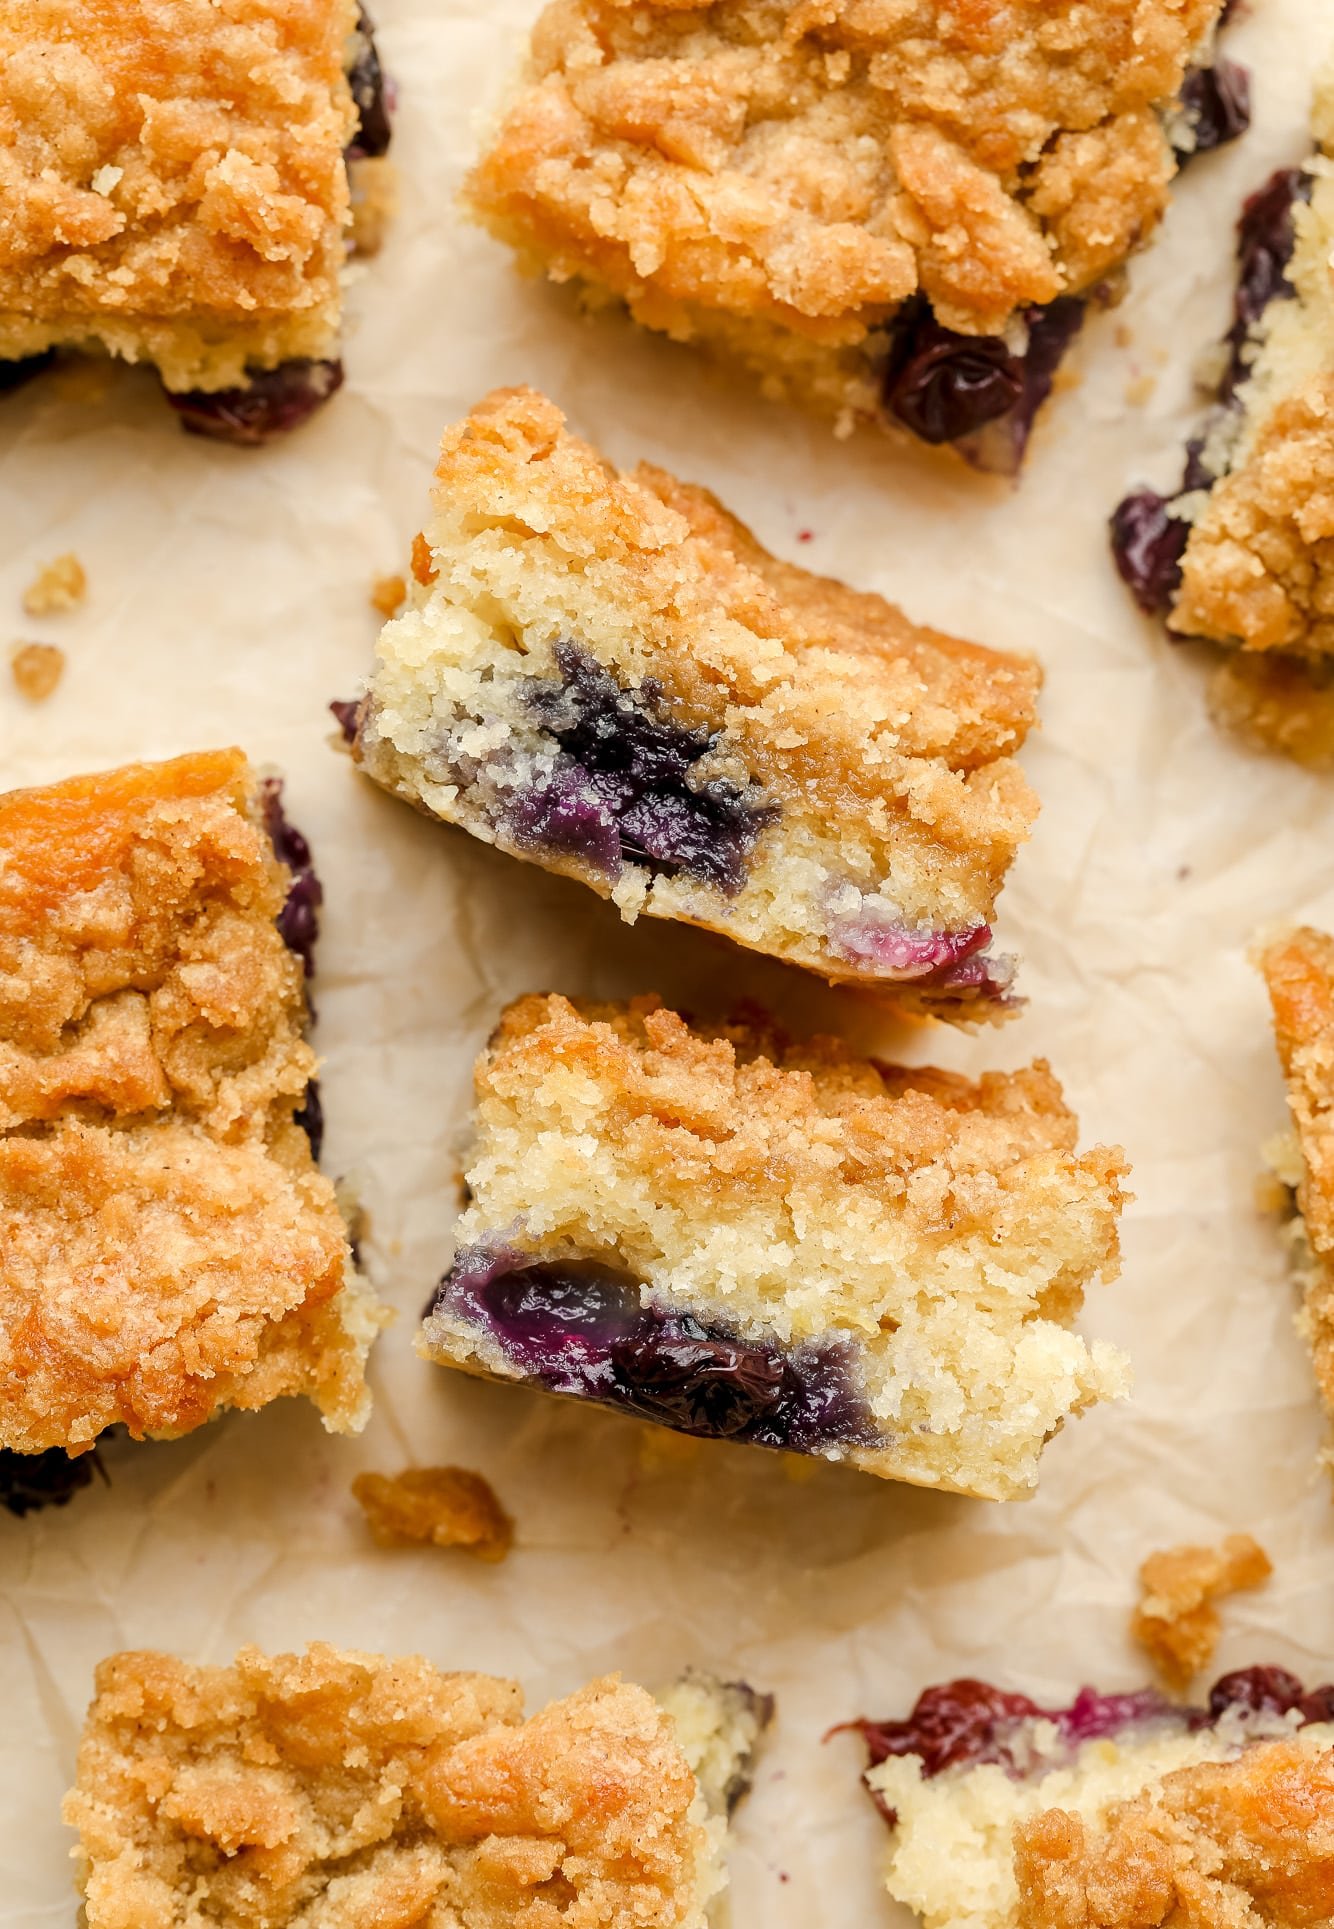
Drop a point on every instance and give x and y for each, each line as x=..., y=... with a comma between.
x=963, y=1724
x=579, y=1327
x=272, y=402
x=298, y=925
x=1216, y=102
x=1148, y=538
x=370, y=94
x=29, y=1481
x=975, y=391
x=631, y=783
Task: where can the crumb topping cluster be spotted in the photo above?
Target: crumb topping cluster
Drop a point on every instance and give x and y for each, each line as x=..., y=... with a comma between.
x=1176, y=1620
x=344, y=1788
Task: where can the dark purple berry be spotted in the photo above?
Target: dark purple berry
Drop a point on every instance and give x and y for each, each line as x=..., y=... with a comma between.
x=1147, y=545
x=366, y=80
x=273, y=401
x=311, y=1118
x=699, y=1385
x=1255, y=1691
x=1217, y=101
x=298, y=921
x=349, y=714
x=29, y=1481
x=947, y=385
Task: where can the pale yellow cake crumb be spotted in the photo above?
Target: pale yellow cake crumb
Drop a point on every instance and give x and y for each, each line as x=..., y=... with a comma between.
x=1176, y=1621
x=442, y=1506
x=57, y=587
x=37, y=668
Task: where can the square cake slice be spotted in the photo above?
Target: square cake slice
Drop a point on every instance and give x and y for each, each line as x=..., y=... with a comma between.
x=886, y=213
x=1119, y=1812
x=176, y=183
x=780, y=1244
x=606, y=674
x=1242, y=555
x=167, y=1246
x=1298, y=968
x=345, y=1790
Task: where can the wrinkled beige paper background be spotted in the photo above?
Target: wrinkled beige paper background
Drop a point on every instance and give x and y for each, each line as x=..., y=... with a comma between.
x=228, y=601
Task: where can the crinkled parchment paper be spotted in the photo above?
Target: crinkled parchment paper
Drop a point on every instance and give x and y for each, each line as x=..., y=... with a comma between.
x=229, y=599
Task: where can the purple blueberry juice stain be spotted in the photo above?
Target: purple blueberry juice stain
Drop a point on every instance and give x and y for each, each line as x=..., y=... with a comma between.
x=273, y=402
x=625, y=786
x=578, y=1327
x=31, y=1481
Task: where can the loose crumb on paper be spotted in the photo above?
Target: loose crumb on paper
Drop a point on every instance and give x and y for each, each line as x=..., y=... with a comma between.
x=440, y=1506
x=57, y=587
x=37, y=669
x=388, y=594
x=1176, y=1621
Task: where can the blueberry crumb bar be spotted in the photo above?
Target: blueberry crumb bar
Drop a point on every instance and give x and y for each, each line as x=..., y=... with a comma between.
x=1122, y=1811
x=605, y=673
x=780, y=1244
x=887, y=213
x=1242, y=554
x=167, y=1246
x=180, y=180
x=1298, y=968
x=345, y=1789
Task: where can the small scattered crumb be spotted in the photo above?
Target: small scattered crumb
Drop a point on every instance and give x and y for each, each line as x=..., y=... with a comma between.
x=1139, y=390
x=1176, y=1621
x=387, y=594
x=1123, y=335
x=443, y=1506
x=37, y=668
x=58, y=586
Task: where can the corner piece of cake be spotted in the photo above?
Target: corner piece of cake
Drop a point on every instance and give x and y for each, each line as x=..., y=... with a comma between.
x=168, y=1247
x=780, y=1244
x=606, y=674
x=1122, y=1811
x=1298, y=967
x=177, y=180
x=347, y=1789
x=1242, y=554
x=893, y=214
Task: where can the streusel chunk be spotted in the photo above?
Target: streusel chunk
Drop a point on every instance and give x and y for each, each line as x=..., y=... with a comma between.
x=886, y=211
x=345, y=1789
x=167, y=1245
x=1176, y=1621
x=605, y=673
x=1120, y=1811
x=780, y=1244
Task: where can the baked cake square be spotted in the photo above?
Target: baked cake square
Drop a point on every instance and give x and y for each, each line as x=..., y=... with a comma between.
x=345, y=1789
x=606, y=674
x=1298, y=968
x=1118, y=1812
x=779, y=1244
x=1242, y=554
x=167, y=1246
x=174, y=175
x=887, y=212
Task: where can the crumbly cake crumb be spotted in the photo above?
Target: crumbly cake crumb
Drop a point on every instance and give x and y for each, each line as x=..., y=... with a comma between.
x=388, y=595
x=37, y=668
x=344, y=1789
x=1176, y=1621
x=57, y=587
x=933, y=1235
x=167, y=1246
x=444, y=1506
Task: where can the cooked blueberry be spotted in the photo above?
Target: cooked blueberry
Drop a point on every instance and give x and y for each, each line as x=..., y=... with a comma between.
x=577, y=1326
x=310, y=1118
x=29, y=1481
x=943, y=385
x=1255, y=1691
x=1148, y=544
x=1266, y=237
x=1217, y=101
x=625, y=787
x=298, y=921
x=366, y=80
x=273, y=401
x=349, y=713
x=15, y=374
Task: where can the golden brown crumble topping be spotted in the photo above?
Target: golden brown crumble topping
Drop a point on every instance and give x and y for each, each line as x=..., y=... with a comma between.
x=57, y=587
x=172, y=181
x=443, y=1506
x=167, y=1247
x=1221, y=1845
x=387, y=595
x=345, y=1789
x=37, y=669
x=810, y=164
x=1176, y=1620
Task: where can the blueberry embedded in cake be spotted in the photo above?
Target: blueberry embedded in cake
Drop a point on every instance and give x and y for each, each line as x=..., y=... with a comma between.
x=168, y=1248
x=185, y=182
x=889, y=214
x=781, y=1245
x=1240, y=554
x=1121, y=1811
x=349, y=1789
x=1298, y=968
x=605, y=673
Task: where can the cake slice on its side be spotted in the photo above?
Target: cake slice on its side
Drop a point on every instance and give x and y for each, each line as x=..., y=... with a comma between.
x=606, y=674
x=890, y=214
x=167, y=1246
x=1243, y=554
x=1120, y=1811
x=346, y=1789
x=780, y=1244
